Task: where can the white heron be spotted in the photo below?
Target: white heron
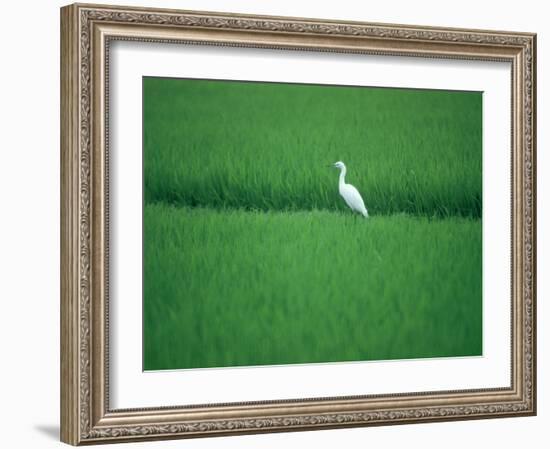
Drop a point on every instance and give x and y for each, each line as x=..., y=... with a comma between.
x=351, y=195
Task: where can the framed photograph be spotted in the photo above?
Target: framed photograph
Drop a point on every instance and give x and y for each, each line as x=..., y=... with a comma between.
x=280, y=224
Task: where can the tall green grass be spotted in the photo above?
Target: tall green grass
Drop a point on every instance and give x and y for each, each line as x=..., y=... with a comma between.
x=230, y=287
x=252, y=258
x=267, y=146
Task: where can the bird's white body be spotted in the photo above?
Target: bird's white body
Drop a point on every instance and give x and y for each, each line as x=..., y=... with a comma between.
x=351, y=195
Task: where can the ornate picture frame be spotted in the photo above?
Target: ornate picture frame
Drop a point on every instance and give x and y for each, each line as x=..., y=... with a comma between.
x=87, y=31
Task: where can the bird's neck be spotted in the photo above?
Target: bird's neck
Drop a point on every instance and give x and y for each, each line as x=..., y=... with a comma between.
x=342, y=180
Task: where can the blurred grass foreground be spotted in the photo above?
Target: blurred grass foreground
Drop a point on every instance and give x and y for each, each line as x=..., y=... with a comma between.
x=252, y=258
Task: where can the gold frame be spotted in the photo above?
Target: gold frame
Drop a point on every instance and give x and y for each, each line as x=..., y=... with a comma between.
x=86, y=31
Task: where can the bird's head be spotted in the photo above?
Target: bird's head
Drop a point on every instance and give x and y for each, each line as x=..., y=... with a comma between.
x=339, y=165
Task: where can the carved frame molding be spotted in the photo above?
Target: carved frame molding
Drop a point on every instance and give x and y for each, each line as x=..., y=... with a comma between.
x=87, y=31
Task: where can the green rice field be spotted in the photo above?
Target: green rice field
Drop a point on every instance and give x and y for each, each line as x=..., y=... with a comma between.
x=251, y=257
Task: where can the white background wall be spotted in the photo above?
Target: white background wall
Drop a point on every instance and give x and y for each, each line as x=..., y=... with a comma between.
x=29, y=224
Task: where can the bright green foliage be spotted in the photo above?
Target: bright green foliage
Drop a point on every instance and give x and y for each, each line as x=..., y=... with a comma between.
x=267, y=146
x=230, y=287
x=252, y=258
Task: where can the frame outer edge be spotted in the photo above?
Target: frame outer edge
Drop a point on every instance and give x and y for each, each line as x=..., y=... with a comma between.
x=81, y=412
x=535, y=378
x=534, y=220
x=69, y=132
